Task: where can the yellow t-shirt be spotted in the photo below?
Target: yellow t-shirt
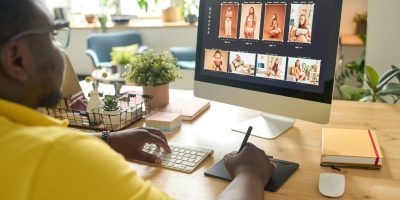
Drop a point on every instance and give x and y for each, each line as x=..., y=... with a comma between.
x=43, y=160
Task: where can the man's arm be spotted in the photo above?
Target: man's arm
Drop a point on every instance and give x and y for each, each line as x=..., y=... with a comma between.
x=251, y=170
x=130, y=143
x=244, y=186
x=79, y=167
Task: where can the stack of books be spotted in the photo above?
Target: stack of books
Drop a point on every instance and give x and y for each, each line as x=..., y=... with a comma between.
x=350, y=148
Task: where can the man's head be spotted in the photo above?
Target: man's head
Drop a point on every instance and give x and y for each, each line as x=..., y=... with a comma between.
x=31, y=66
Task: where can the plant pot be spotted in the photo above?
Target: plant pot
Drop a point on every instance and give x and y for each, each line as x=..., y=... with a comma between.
x=361, y=28
x=159, y=93
x=121, y=69
x=171, y=14
x=93, y=107
x=112, y=119
x=90, y=19
x=191, y=19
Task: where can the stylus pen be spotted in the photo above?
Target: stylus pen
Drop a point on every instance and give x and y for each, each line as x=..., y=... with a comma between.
x=246, y=137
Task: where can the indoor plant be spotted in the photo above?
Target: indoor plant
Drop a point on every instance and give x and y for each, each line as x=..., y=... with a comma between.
x=111, y=113
x=122, y=58
x=361, y=22
x=378, y=87
x=190, y=10
x=351, y=73
x=90, y=18
x=154, y=72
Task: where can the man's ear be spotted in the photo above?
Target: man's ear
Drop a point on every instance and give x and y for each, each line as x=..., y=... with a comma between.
x=12, y=59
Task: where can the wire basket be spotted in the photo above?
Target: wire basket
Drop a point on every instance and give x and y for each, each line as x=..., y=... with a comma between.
x=132, y=108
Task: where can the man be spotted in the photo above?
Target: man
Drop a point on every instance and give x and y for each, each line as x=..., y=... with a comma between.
x=42, y=159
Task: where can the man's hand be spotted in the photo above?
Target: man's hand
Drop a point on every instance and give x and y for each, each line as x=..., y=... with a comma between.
x=130, y=143
x=251, y=160
x=250, y=170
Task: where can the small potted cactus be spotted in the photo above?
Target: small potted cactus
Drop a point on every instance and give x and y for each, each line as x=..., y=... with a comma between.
x=111, y=112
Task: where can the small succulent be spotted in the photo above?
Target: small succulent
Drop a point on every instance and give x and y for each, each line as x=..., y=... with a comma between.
x=110, y=103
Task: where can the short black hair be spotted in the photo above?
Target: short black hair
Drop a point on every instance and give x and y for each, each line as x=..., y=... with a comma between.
x=15, y=16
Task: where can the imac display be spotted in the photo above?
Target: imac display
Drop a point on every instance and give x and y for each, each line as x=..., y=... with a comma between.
x=278, y=57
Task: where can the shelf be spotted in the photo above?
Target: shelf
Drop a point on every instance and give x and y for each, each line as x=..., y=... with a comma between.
x=350, y=40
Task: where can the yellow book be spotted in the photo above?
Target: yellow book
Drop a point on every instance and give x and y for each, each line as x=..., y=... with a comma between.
x=350, y=147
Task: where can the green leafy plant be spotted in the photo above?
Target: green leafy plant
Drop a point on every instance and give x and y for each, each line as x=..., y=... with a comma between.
x=144, y=4
x=378, y=87
x=354, y=69
x=109, y=3
x=189, y=7
x=103, y=22
x=360, y=17
x=121, y=57
x=150, y=69
x=110, y=103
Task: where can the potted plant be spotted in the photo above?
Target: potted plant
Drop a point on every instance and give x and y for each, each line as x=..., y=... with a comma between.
x=90, y=18
x=361, y=22
x=173, y=12
x=190, y=10
x=111, y=113
x=154, y=72
x=103, y=22
x=122, y=58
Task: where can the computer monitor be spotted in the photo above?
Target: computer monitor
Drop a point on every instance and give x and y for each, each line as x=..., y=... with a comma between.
x=275, y=56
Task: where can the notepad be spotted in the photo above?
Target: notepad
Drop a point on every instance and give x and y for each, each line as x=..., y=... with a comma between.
x=190, y=108
x=165, y=121
x=350, y=147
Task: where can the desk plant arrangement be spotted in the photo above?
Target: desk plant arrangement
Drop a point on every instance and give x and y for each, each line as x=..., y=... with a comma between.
x=378, y=87
x=95, y=103
x=154, y=72
x=111, y=111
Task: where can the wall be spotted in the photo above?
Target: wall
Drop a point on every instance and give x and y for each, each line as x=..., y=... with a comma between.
x=350, y=7
x=383, y=34
x=159, y=39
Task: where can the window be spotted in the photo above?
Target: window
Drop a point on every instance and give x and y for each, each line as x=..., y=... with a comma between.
x=128, y=7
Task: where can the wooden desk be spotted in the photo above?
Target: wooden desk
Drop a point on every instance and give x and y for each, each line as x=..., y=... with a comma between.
x=300, y=144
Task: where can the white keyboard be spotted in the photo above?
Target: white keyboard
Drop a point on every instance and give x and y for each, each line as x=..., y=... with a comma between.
x=183, y=158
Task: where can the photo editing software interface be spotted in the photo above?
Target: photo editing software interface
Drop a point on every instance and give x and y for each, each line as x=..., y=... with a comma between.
x=282, y=47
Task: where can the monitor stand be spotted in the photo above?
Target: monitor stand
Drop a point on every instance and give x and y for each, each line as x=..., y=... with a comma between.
x=266, y=125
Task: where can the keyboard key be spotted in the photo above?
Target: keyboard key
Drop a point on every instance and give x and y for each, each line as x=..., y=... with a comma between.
x=191, y=164
x=189, y=169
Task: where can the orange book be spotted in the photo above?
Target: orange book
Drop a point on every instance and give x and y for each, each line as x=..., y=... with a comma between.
x=350, y=147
